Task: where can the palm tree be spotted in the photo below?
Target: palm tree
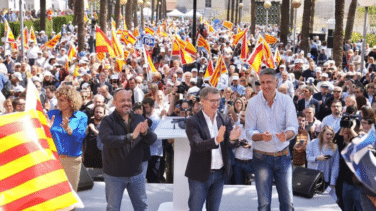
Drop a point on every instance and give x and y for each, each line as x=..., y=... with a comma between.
x=134, y=10
x=103, y=14
x=304, y=44
x=117, y=13
x=71, y=4
x=129, y=13
x=228, y=10
x=232, y=10
x=312, y=19
x=43, y=15
x=152, y=4
x=253, y=16
x=338, y=32
x=284, y=27
x=236, y=11
x=350, y=19
x=79, y=19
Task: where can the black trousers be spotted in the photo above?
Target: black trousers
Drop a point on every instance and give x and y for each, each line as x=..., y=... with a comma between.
x=154, y=168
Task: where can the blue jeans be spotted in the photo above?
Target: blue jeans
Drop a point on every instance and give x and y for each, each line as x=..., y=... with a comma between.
x=209, y=191
x=144, y=168
x=351, y=197
x=135, y=186
x=240, y=170
x=265, y=169
x=366, y=202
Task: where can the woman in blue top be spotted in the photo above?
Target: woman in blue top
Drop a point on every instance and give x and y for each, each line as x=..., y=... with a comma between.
x=68, y=126
x=322, y=154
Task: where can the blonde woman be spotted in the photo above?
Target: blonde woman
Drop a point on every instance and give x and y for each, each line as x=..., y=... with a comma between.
x=322, y=154
x=68, y=126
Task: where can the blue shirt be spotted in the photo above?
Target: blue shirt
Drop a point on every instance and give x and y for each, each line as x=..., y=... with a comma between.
x=70, y=145
x=156, y=149
x=239, y=89
x=260, y=118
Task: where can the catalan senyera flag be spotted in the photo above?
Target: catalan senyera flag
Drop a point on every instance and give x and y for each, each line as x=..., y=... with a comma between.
x=149, y=30
x=26, y=38
x=255, y=59
x=51, y=43
x=119, y=64
x=185, y=57
x=209, y=69
x=268, y=56
x=217, y=72
x=32, y=35
x=228, y=24
x=9, y=36
x=76, y=72
x=245, y=50
x=270, y=39
x=149, y=61
x=136, y=33
x=71, y=52
x=211, y=29
x=190, y=48
x=118, y=48
x=201, y=42
x=175, y=48
x=277, y=56
x=131, y=38
x=181, y=42
x=239, y=36
x=103, y=44
x=126, y=54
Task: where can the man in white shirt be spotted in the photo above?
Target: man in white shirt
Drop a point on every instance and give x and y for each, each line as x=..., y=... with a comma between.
x=32, y=53
x=334, y=119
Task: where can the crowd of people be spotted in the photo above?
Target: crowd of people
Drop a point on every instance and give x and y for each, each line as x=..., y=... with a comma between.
x=105, y=119
x=29, y=15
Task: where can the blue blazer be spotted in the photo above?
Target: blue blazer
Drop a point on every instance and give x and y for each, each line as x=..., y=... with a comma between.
x=313, y=101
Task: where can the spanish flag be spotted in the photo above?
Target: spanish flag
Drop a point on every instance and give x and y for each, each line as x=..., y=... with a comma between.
x=185, y=57
x=175, y=48
x=227, y=24
x=32, y=35
x=277, y=56
x=201, y=42
x=118, y=48
x=268, y=56
x=123, y=37
x=149, y=30
x=190, y=48
x=239, y=36
x=245, y=51
x=103, y=44
x=270, y=39
x=131, y=38
x=149, y=61
x=255, y=59
x=209, y=69
x=217, y=73
x=51, y=43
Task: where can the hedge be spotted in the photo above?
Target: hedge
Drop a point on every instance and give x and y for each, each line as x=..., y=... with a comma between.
x=370, y=38
x=57, y=25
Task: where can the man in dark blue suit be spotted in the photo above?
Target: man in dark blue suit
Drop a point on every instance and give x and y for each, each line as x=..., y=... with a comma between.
x=322, y=97
x=308, y=100
x=210, y=135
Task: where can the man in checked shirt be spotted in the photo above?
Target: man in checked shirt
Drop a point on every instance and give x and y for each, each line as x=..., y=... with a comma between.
x=271, y=123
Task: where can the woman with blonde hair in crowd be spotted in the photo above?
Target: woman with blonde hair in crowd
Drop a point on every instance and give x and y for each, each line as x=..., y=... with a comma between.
x=68, y=125
x=8, y=106
x=322, y=154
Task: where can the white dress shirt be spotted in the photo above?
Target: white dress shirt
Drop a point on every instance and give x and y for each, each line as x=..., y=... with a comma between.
x=242, y=153
x=216, y=161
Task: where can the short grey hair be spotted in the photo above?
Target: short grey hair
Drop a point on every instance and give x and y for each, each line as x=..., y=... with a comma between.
x=268, y=71
x=208, y=90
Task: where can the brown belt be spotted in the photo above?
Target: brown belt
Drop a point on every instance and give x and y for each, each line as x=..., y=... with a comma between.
x=66, y=156
x=274, y=154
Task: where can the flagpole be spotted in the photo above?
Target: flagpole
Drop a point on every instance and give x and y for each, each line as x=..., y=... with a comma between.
x=22, y=35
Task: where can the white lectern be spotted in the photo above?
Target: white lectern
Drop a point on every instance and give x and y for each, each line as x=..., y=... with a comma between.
x=165, y=130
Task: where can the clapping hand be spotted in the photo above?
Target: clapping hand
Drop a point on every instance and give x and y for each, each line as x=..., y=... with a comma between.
x=50, y=122
x=221, y=134
x=65, y=123
x=281, y=136
x=144, y=126
x=267, y=136
x=235, y=133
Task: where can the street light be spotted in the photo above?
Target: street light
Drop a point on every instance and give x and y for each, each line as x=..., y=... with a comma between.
x=366, y=4
x=295, y=5
x=240, y=12
x=267, y=6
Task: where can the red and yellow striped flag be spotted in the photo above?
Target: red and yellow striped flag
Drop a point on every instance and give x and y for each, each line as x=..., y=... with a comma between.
x=131, y=38
x=123, y=37
x=9, y=35
x=190, y=48
x=149, y=31
x=209, y=69
x=118, y=48
x=277, y=56
x=255, y=59
x=32, y=35
x=149, y=61
x=51, y=43
x=76, y=72
x=268, y=56
x=71, y=52
x=175, y=48
x=227, y=24
x=26, y=38
x=113, y=24
x=103, y=44
x=217, y=73
x=245, y=50
x=185, y=57
x=270, y=39
x=119, y=64
x=201, y=42
x=126, y=54
x=210, y=28
x=181, y=42
x=237, y=37
x=164, y=34
x=136, y=33
x=164, y=25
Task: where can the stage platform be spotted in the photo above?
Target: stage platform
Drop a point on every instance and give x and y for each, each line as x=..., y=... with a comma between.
x=235, y=198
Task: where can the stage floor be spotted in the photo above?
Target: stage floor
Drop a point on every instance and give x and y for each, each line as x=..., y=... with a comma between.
x=235, y=197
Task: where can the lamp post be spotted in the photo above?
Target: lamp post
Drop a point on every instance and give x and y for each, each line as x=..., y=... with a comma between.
x=240, y=12
x=295, y=5
x=194, y=23
x=366, y=4
x=22, y=33
x=267, y=6
x=141, y=4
